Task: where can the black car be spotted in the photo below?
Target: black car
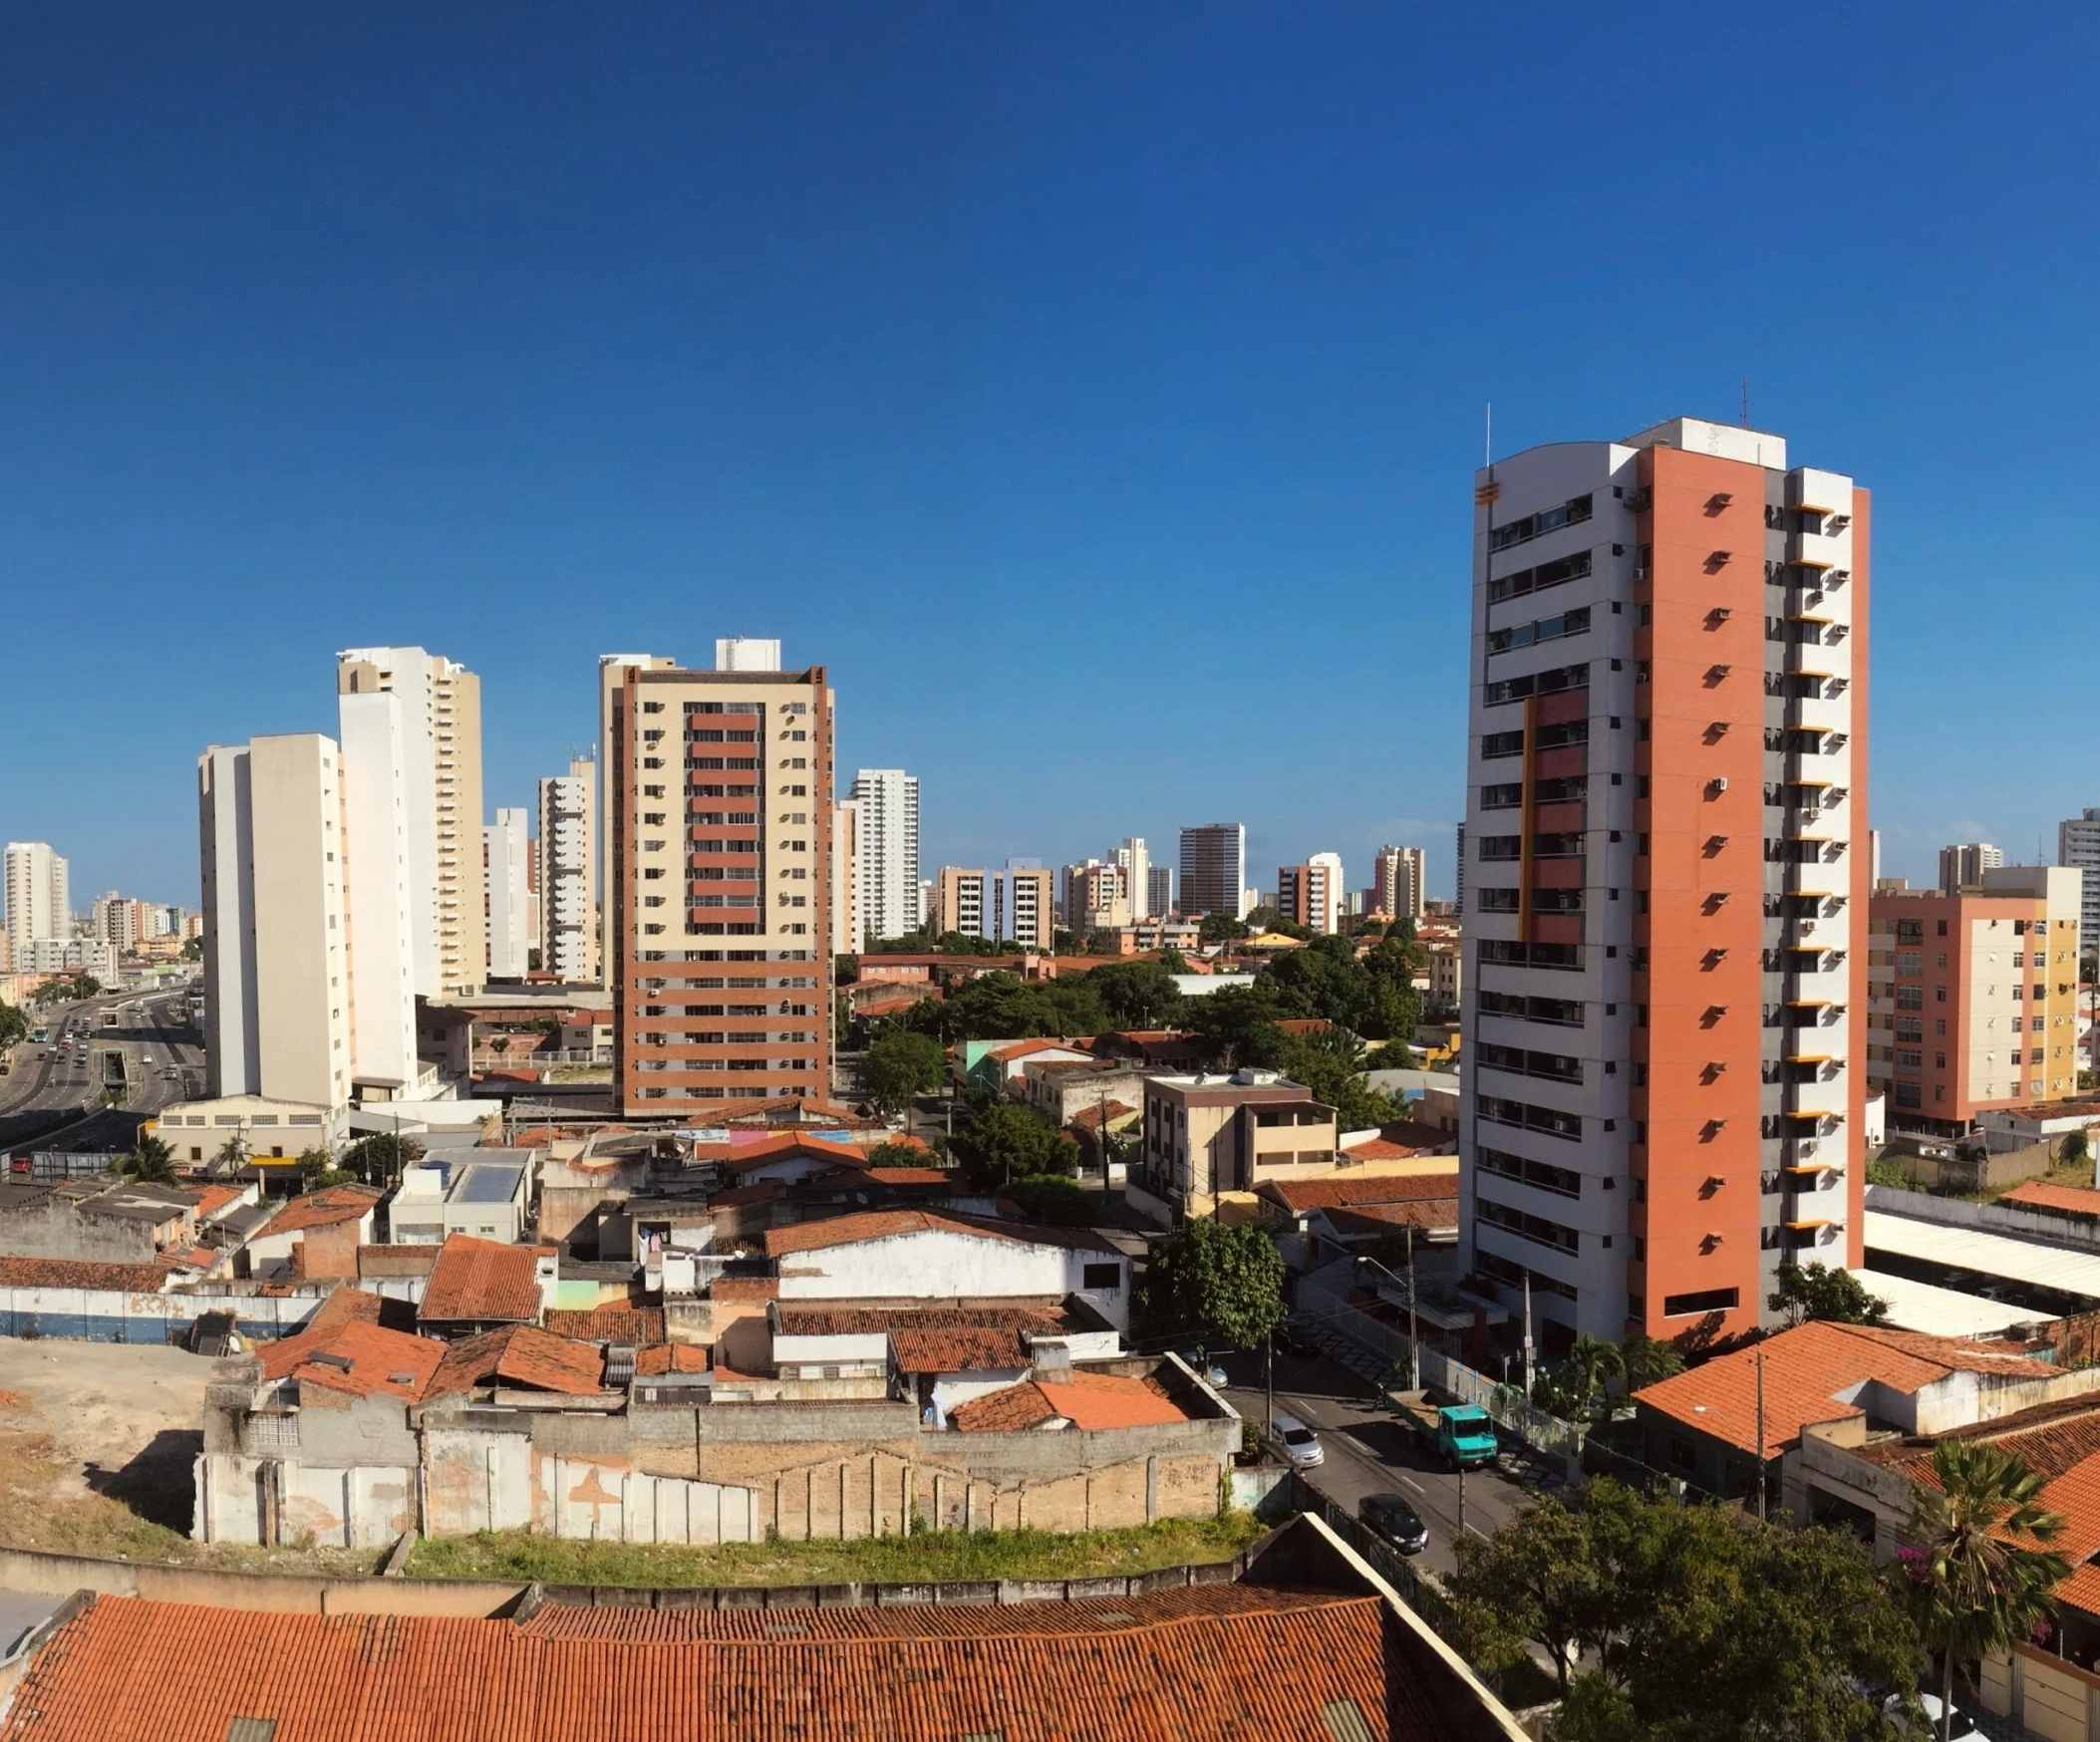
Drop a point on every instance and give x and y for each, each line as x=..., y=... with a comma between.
x=1390, y=1517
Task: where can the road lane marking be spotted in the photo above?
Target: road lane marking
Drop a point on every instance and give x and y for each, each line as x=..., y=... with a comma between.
x=1410, y=1481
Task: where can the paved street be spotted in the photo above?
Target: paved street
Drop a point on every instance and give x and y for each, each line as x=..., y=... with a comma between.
x=1368, y=1452
x=40, y=1091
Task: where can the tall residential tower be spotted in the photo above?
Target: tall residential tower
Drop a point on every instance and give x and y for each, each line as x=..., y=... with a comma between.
x=568, y=873
x=886, y=873
x=1214, y=869
x=1666, y=883
x=720, y=887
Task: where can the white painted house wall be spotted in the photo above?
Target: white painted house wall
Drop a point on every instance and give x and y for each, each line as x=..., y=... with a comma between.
x=933, y=1264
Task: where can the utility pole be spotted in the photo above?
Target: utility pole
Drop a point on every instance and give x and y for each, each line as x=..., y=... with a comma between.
x=1461, y=1502
x=1269, y=1386
x=1414, y=1342
x=1527, y=1337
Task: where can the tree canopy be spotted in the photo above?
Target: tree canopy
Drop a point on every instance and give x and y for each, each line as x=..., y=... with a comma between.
x=379, y=1157
x=1137, y=994
x=150, y=1160
x=900, y=1064
x=1818, y=1292
x=1689, y=1623
x=1001, y=1142
x=1003, y=1006
x=1219, y=1286
x=1222, y=928
x=14, y=1025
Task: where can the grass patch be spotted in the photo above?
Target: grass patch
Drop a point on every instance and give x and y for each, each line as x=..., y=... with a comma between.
x=931, y=1554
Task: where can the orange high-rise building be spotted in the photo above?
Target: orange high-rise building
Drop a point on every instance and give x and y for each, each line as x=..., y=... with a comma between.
x=1666, y=879
x=719, y=886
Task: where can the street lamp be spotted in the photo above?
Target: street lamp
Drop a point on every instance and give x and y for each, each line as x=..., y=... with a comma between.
x=1415, y=1356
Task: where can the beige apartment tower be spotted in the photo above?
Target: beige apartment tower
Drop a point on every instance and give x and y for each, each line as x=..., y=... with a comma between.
x=278, y=986
x=441, y=783
x=718, y=787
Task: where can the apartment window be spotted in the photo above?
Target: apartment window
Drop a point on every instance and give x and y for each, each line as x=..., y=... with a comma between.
x=1909, y=931
x=1703, y=1300
x=1539, y=1229
x=1507, y=796
x=1575, y=622
x=1569, y=513
x=1566, y=1012
x=1564, y=1181
x=1909, y=962
x=1499, y=1111
x=1550, y=682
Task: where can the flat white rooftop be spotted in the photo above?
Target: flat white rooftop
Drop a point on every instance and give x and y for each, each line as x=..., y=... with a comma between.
x=1943, y=1311
x=1988, y=1255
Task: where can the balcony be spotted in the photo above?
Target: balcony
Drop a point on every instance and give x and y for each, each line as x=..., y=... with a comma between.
x=1818, y=493
x=1827, y=714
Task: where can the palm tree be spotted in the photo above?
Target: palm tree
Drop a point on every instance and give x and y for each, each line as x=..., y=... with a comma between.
x=1588, y=1363
x=150, y=1160
x=1649, y=1360
x=1977, y=1577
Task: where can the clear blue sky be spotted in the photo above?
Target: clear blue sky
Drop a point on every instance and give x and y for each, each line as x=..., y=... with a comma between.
x=1093, y=387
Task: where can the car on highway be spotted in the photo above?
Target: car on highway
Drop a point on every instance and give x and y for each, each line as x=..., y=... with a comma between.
x=1296, y=1443
x=1389, y=1517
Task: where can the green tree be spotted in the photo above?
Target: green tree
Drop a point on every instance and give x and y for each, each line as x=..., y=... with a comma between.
x=1051, y=1199
x=193, y=949
x=1220, y=1286
x=1587, y=1367
x=901, y=1065
x=1221, y=928
x=1137, y=994
x=1173, y=961
x=1002, y=1141
x=1331, y=1064
x=1817, y=1292
x=845, y=970
x=2076, y=1148
x=1649, y=1360
x=1532, y=1580
x=379, y=1158
x=150, y=1160
x=892, y=1154
x=14, y=1025
x=1692, y=1622
x=1977, y=1578
x=1237, y=1027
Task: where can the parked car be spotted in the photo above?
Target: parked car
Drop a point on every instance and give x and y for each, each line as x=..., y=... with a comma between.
x=1294, y=1341
x=1390, y=1517
x=1297, y=1444
x=1892, y=1709
x=1208, y=1368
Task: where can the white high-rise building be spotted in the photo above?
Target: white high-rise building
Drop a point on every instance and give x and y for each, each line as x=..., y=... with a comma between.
x=1159, y=891
x=508, y=849
x=1136, y=863
x=378, y=881
x=891, y=901
x=277, y=989
x=2078, y=845
x=568, y=874
x=745, y=653
x=1397, y=876
x=440, y=775
x=38, y=901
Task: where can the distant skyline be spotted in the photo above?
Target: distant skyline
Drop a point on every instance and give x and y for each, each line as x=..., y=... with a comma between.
x=1094, y=391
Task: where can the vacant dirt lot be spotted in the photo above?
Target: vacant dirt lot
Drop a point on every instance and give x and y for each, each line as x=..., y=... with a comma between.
x=96, y=1443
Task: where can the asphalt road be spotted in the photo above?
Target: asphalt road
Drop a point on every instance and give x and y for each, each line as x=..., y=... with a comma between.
x=39, y=1093
x=1370, y=1452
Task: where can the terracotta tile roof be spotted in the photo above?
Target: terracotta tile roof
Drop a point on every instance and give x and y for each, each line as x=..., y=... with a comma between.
x=640, y=1325
x=1086, y=1400
x=343, y=1308
x=1804, y=1370
x=68, y=1273
x=519, y=1355
x=1299, y=1196
x=909, y=1176
x=480, y=1279
x=1087, y=1118
x=324, y=1209
x=1424, y=1213
x=362, y=1359
x=918, y=1620
x=213, y=1199
x=128, y=1670
x=396, y=1260
x=741, y=1157
x=2065, y=1200
x=891, y=1224
x=1026, y=1048
x=958, y=1351
x=745, y=1289
x=671, y=1357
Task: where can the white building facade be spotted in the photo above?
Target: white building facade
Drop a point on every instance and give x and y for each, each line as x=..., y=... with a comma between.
x=568, y=874
x=38, y=897
x=891, y=902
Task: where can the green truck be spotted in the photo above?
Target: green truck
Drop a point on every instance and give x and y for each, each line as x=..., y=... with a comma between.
x=1461, y=1434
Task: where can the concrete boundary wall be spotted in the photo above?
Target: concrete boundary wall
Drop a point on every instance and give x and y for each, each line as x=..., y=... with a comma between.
x=118, y=1315
x=2019, y=1221
x=60, y=1576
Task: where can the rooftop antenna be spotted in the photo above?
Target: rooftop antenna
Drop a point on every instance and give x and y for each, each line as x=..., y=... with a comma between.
x=1488, y=458
x=1746, y=401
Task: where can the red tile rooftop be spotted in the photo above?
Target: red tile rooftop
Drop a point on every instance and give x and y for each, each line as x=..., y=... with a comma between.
x=478, y=1280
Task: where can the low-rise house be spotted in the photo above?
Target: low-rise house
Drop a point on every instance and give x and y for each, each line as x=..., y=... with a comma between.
x=102, y=1219
x=918, y=1257
x=1061, y=1088
x=1844, y=1384
x=995, y=1065
x=482, y=1191
x=257, y=1126
x=315, y=1235
x=1308, y=1642
x=1318, y=1221
x=479, y=1285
